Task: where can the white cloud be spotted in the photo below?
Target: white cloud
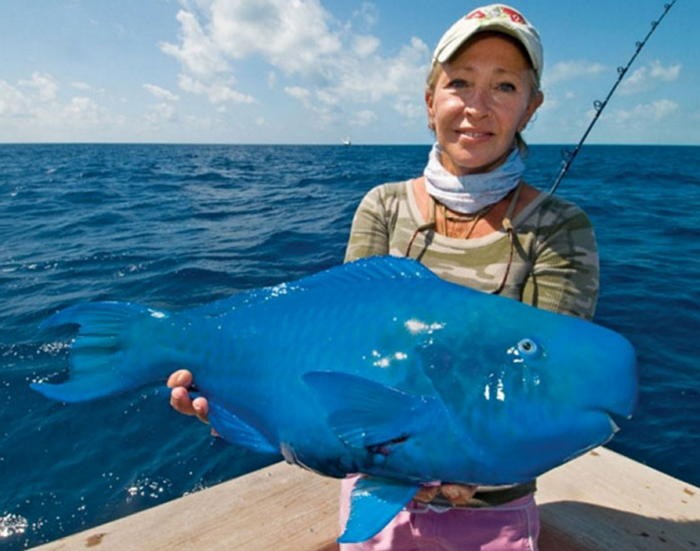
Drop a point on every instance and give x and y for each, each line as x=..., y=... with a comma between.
x=83, y=86
x=164, y=111
x=198, y=54
x=297, y=92
x=161, y=93
x=367, y=14
x=642, y=114
x=319, y=61
x=362, y=118
x=44, y=86
x=667, y=74
x=375, y=78
x=291, y=35
x=409, y=108
x=216, y=90
x=365, y=45
x=35, y=109
x=160, y=113
x=83, y=111
x=271, y=79
x=571, y=70
x=648, y=77
x=12, y=101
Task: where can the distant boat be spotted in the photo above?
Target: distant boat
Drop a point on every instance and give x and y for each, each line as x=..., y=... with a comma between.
x=347, y=141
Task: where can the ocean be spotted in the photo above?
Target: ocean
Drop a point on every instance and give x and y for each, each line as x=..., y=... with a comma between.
x=175, y=226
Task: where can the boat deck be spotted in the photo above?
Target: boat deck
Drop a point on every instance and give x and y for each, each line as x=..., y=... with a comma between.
x=600, y=501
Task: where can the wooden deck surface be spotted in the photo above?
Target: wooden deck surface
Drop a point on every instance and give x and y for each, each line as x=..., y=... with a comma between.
x=600, y=501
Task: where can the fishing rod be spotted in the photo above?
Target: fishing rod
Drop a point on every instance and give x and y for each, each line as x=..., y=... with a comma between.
x=600, y=105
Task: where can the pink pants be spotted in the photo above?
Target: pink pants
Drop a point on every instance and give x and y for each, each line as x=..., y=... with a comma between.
x=510, y=527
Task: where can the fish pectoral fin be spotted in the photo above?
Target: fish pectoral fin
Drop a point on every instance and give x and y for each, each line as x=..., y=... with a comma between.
x=363, y=413
x=373, y=503
x=236, y=431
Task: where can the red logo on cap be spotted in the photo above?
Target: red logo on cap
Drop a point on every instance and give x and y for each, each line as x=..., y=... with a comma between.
x=514, y=16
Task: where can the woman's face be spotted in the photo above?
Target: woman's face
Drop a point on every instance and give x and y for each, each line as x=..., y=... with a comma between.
x=481, y=98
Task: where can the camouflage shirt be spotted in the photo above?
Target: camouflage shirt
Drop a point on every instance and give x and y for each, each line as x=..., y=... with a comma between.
x=554, y=262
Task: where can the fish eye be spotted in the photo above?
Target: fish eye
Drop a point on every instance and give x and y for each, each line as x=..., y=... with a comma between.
x=528, y=347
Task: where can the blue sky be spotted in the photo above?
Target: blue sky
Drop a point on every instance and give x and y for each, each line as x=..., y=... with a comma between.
x=317, y=71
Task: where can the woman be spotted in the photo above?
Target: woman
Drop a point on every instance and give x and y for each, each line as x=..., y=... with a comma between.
x=473, y=221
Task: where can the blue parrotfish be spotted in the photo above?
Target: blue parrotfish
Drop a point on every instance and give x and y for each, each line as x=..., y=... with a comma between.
x=376, y=367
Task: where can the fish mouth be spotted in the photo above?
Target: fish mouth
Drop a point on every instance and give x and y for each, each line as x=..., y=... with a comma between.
x=621, y=408
x=594, y=427
x=614, y=427
x=611, y=419
x=614, y=390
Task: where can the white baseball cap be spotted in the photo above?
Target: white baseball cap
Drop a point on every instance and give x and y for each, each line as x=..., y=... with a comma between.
x=494, y=17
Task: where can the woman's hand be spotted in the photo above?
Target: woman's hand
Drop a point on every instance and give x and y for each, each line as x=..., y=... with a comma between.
x=457, y=494
x=180, y=382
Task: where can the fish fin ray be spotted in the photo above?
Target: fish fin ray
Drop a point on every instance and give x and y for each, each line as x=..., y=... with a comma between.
x=236, y=431
x=364, y=413
x=80, y=389
x=373, y=503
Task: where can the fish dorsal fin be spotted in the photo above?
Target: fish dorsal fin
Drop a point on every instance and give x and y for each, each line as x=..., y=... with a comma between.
x=373, y=268
x=364, y=270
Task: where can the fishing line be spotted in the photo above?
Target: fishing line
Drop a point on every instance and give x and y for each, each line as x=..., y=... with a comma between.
x=569, y=156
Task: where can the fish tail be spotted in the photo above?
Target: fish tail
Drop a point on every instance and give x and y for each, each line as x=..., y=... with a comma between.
x=109, y=353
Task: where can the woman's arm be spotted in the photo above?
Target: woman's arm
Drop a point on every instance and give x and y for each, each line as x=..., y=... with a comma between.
x=369, y=234
x=565, y=272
